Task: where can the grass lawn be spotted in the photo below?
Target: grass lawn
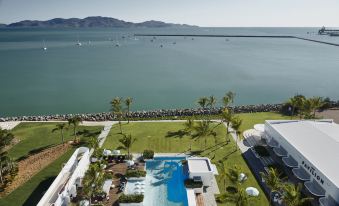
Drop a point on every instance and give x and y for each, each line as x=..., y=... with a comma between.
x=37, y=136
x=31, y=192
x=155, y=136
x=250, y=119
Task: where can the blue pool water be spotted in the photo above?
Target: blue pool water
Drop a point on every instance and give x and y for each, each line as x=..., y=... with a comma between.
x=165, y=182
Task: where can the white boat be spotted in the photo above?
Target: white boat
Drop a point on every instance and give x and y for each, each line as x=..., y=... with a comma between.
x=117, y=44
x=44, y=47
x=78, y=43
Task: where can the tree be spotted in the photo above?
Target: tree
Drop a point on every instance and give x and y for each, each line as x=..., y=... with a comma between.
x=60, y=127
x=239, y=199
x=203, y=129
x=127, y=142
x=75, y=121
x=316, y=103
x=117, y=109
x=228, y=99
x=203, y=102
x=236, y=124
x=227, y=117
x=128, y=102
x=212, y=101
x=6, y=164
x=294, y=104
x=272, y=180
x=189, y=125
x=233, y=174
x=292, y=195
x=93, y=181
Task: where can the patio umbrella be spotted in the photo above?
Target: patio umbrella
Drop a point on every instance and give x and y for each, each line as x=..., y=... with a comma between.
x=116, y=152
x=252, y=191
x=107, y=152
x=130, y=162
x=242, y=177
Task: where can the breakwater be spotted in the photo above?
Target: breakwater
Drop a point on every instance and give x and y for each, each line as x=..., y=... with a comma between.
x=241, y=36
x=153, y=114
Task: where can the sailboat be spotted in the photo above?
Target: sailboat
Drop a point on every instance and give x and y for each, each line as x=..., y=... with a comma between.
x=44, y=47
x=78, y=43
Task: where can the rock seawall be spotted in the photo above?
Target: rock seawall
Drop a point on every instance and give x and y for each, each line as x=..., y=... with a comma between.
x=163, y=113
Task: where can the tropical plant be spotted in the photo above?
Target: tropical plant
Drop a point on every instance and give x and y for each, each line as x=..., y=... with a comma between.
x=93, y=181
x=272, y=180
x=128, y=103
x=236, y=124
x=227, y=117
x=233, y=174
x=203, y=102
x=75, y=121
x=189, y=125
x=238, y=199
x=228, y=99
x=292, y=195
x=203, y=129
x=60, y=127
x=117, y=109
x=212, y=101
x=127, y=142
x=316, y=103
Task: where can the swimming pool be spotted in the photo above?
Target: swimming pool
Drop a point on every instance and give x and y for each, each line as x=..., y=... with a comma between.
x=165, y=182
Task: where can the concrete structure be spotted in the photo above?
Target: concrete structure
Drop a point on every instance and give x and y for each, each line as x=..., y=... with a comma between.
x=201, y=167
x=64, y=187
x=311, y=150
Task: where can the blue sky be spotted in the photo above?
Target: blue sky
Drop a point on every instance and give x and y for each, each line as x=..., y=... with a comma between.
x=197, y=12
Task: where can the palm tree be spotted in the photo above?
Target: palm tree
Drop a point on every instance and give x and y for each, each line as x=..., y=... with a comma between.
x=227, y=117
x=92, y=181
x=316, y=103
x=300, y=101
x=75, y=121
x=272, y=180
x=294, y=103
x=203, y=102
x=189, y=125
x=127, y=142
x=228, y=99
x=117, y=109
x=233, y=174
x=128, y=102
x=239, y=199
x=212, y=101
x=202, y=129
x=236, y=124
x=292, y=195
x=60, y=127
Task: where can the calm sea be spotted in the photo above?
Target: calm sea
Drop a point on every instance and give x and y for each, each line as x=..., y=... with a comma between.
x=71, y=79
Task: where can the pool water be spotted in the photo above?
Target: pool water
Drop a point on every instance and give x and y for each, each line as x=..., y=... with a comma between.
x=165, y=182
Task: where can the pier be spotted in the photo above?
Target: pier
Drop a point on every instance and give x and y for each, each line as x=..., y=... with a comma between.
x=239, y=36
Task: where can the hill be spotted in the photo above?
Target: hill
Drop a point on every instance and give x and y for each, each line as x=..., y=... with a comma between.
x=90, y=22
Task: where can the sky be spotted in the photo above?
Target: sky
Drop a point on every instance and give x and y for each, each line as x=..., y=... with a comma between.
x=211, y=13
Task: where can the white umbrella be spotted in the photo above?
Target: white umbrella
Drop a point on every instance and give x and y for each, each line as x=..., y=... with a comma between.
x=252, y=191
x=107, y=152
x=242, y=177
x=130, y=162
x=259, y=127
x=137, y=187
x=116, y=152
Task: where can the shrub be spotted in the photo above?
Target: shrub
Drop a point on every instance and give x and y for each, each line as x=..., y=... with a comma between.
x=135, y=173
x=262, y=151
x=131, y=198
x=189, y=183
x=108, y=175
x=148, y=154
x=231, y=189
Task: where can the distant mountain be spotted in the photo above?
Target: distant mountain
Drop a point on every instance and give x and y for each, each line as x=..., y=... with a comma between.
x=91, y=22
x=2, y=25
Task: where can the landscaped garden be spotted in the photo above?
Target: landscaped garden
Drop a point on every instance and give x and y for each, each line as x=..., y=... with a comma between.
x=39, y=153
x=165, y=137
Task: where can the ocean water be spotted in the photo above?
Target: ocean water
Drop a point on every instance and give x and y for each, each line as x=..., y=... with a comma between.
x=71, y=79
x=165, y=182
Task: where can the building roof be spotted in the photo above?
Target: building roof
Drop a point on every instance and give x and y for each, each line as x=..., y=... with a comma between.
x=317, y=141
x=199, y=165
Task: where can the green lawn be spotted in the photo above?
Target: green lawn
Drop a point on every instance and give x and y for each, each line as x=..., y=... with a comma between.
x=36, y=136
x=31, y=192
x=155, y=136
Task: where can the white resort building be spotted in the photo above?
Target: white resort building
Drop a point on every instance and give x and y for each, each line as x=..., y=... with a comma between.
x=64, y=187
x=311, y=150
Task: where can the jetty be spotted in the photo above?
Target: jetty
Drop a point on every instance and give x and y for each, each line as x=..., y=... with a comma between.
x=331, y=32
x=239, y=36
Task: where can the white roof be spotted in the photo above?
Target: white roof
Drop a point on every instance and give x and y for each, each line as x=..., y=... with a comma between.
x=317, y=141
x=199, y=165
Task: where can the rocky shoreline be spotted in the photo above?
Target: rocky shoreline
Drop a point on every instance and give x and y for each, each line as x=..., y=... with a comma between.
x=163, y=113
